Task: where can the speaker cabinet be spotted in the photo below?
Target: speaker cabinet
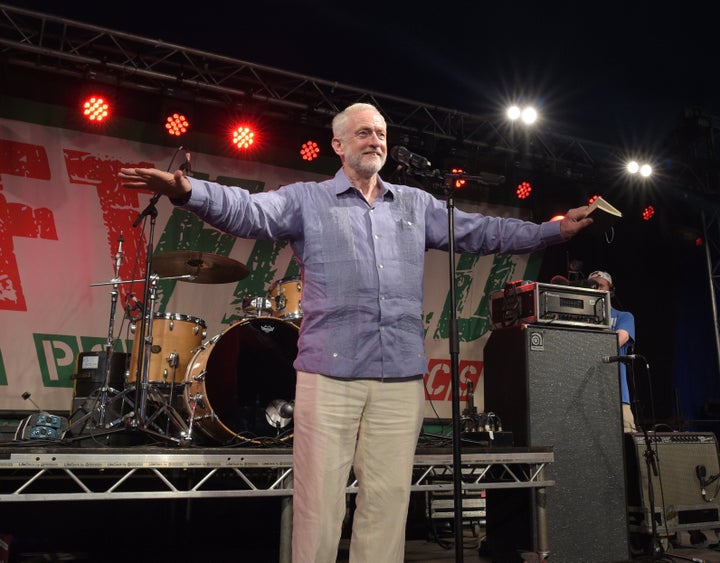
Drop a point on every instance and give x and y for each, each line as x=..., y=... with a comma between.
x=549, y=387
x=684, y=464
x=91, y=372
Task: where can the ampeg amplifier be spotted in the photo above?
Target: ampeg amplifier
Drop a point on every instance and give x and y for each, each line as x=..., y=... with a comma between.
x=544, y=303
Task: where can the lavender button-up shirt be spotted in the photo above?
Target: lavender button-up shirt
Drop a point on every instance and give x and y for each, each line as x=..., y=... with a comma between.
x=361, y=265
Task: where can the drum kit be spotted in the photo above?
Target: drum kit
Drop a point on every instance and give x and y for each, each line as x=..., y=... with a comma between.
x=237, y=387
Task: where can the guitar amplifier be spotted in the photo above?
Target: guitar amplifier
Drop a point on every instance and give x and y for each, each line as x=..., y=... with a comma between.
x=684, y=483
x=524, y=302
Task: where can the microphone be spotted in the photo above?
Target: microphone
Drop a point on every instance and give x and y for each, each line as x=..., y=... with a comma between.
x=700, y=471
x=404, y=156
x=185, y=166
x=133, y=304
x=286, y=411
x=626, y=358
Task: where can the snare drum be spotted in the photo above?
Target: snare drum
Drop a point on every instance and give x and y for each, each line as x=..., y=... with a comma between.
x=175, y=338
x=285, y=296
x=236, y=375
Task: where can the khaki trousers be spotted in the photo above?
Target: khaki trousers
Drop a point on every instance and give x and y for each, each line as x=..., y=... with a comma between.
x=628, y=419
x=369, y=425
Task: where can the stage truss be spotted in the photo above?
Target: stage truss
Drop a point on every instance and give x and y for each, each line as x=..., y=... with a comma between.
x=61, y=475
x=56, y=45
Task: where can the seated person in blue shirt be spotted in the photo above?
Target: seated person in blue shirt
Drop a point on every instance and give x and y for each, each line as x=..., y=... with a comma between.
x=360, y=242
x=622, y=322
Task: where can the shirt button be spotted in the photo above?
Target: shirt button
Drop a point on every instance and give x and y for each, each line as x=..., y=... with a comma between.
x=335, y=354
x=376, y=237
x=382, y=298
x=380, y=266
x=382, y=329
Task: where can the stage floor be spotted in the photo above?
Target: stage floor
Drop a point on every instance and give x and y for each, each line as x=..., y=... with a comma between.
x=233, y=503
x=207, y=503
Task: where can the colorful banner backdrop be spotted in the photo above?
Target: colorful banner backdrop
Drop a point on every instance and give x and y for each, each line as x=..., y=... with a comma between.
x=72, y=263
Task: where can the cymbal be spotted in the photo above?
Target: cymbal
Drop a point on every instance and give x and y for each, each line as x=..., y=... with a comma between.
x=205, y=267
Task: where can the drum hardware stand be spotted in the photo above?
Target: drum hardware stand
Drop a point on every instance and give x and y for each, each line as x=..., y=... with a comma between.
x=107, y=428
x=194, y=400
x=173, y=361
x=145, y=390
x=102, y=401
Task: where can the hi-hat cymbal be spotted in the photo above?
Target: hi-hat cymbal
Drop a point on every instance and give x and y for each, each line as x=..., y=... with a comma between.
x=203, y=266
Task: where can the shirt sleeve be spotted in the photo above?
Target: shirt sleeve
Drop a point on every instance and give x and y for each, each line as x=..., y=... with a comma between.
x=483, y=234
x=626, y=321
x=263, y=215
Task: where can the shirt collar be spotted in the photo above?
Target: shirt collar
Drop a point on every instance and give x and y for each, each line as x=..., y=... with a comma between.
x=341, y=184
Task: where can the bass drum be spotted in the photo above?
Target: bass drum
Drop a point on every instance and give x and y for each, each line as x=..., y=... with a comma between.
x=236, y=375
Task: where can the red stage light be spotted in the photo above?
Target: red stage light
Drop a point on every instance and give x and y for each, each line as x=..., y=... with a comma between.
x=648, y=213
x=176, y=124
x=459, y=181
x=243, y=136
x=309, y=150
x=96, y=109
x=523, y=190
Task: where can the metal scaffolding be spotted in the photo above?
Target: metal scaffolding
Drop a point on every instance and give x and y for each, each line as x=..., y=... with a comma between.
x=121, y=474
x=56, y=45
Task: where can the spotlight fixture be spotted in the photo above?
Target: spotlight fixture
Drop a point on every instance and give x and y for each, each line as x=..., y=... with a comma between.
x=243, y=137
x=309, y=150
x=459, y=180
x=528, y=114
x=95, y=109
x=523, y=190
x=634, y=167
x=176, y=124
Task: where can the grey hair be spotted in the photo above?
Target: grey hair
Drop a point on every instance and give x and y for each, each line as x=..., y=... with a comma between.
x=339, y=121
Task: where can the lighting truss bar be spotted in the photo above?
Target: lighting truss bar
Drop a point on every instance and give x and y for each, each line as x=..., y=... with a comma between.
x=58, y=45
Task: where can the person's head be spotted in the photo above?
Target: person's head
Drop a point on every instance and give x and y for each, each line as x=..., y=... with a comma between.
x=360, y=139
x=603, y=280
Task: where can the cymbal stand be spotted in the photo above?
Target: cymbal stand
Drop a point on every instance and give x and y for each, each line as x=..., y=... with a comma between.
x=109, y=345
x=101, y=402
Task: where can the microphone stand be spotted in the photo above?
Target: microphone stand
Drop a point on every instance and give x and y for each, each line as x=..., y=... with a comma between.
x=657, y=552
x=143, y=365
x=454, y=348
x=448, y=186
